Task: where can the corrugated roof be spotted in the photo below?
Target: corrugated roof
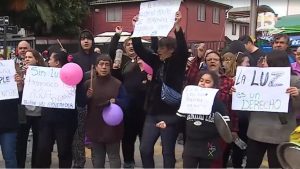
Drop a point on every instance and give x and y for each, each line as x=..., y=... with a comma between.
x=243, y=12
x=288, y=21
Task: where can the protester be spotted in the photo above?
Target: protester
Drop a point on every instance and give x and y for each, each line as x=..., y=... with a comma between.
x=229, y=64
x=129, y=69
x=85, y=58
x=104, y=90
x=264, y=127
x=281, y=42
x=8, y=131
x=214, y=63
x=238, y=155
x=168, y=67
x=254, y=51
x=22, y=48
x=33, y=115
x=57, y=125
x=203, y=146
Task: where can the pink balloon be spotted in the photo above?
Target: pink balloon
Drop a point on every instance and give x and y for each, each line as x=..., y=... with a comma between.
x=147, y=68
x=71, y=74
x=112, y=115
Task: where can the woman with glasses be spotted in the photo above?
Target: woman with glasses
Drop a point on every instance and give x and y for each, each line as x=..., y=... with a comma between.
x=214, y=63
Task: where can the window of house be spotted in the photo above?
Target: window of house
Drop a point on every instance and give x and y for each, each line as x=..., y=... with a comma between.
x=201, y=12
x=244, y=30
x=233, y=28
x=114, y=14
x=216, y=15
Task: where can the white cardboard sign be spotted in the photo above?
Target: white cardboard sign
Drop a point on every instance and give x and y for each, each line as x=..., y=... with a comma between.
x=156, y=18
x=8, y=85
x=44, y=88
x=262, y=89
x=197, y=100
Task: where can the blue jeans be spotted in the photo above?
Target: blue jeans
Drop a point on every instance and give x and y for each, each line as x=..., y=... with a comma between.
x=149, y=138
x=8, y=147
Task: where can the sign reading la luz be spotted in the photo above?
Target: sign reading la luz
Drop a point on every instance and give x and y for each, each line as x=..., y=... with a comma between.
x=197, y=100
x=262, y=89
x=156, y=18
x=44, y=88
x=8, y=85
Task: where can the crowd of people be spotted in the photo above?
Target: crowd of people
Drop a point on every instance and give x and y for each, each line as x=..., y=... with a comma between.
x=146, y=115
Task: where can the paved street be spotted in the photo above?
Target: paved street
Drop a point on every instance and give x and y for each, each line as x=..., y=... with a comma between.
x=157, y=157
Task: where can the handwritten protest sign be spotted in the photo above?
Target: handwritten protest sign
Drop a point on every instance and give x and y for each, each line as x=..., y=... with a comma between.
x=44, y=88
x=156, y=18
x=197, y=100
x=261, y=89
x=8, y=85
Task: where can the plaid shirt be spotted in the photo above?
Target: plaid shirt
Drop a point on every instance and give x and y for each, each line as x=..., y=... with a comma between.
x=225, y=85
x=193, y=71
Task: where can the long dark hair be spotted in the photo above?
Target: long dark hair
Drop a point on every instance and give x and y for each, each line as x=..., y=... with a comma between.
x=213, y=75
x=61, y=56
x=278, y=58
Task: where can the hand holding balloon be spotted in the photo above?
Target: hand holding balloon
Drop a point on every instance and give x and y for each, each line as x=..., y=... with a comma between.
x=112, y=115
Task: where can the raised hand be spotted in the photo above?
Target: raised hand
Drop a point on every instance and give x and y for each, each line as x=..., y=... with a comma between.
x=178, y=18
x=134, y=20
x=119, y=29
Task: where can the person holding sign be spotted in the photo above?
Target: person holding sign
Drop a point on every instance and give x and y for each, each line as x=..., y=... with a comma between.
x=168, y=67
x=102, y=91
x=33, y=115
x=204, y=146
x=9, y=126
x=56, y=125
x=268, y=129
x=129, y=69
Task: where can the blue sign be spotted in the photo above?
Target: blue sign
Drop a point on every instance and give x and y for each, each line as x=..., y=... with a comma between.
x=294, y=40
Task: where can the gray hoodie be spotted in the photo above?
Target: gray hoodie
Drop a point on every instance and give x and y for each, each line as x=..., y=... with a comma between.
x=266, y=127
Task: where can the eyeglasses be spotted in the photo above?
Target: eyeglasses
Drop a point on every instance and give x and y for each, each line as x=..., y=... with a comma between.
x=212, y=59
x=104, y=64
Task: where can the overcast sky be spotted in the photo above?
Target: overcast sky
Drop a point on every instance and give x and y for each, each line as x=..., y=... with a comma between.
x=279, y=6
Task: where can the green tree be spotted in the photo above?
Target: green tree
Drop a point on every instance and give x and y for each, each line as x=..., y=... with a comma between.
x=49, y=17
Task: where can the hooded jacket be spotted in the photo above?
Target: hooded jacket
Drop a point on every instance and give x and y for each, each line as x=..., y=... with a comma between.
x=84, y=60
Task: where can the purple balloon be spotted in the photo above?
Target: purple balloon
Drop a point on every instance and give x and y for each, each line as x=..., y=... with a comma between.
x=112, y=115
x=87, y=141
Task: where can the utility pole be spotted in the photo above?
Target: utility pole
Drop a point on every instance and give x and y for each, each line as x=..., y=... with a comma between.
x=287, y=7
x=253, y=18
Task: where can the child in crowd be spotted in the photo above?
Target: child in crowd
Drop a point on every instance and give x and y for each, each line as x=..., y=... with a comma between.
x=204, y=146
